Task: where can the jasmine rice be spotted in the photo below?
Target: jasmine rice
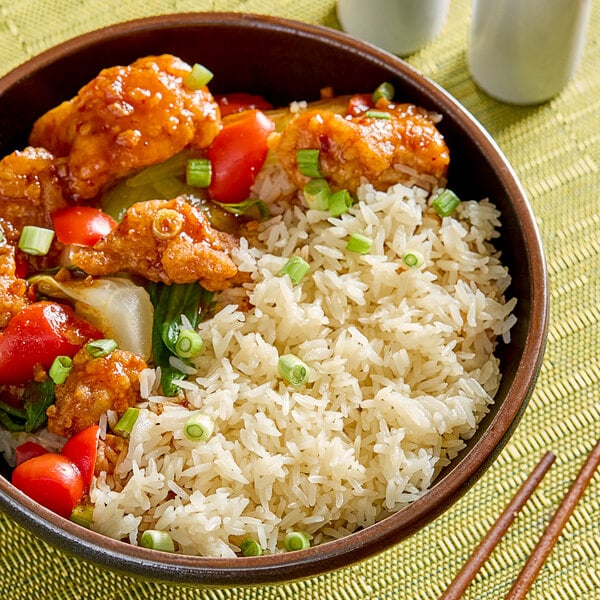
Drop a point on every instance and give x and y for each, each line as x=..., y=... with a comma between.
x=401, y=371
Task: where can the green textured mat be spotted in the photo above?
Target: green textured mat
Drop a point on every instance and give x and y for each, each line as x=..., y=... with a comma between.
x=555, y=149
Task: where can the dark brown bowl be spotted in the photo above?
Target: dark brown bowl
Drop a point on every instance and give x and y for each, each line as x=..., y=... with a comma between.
x=285, y=60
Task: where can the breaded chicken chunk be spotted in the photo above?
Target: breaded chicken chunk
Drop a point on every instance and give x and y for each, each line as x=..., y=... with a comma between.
x=30, y=189
x=93, y=386
x=13, y=289
x=125, y=119
x=164, y=240
x=382, y=149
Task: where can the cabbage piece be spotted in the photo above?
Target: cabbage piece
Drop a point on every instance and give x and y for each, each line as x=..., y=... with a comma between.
x=116, y=306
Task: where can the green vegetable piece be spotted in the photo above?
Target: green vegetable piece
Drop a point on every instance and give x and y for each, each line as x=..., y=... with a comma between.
x=445, y=204
x=317, y=193
x=124, y=425
x=83, y=514
x=340, y=203
x=308, y=162
x=296, y=540
x=359, y=243
x=157, y=540
x=296, y=268
x=60, y=369
x=189, y=344
x=37, y=397
x=36, y=240
x=199, y=77
x=198, y=172
x=250, y=547
x=378, y=114
x=383, y=90
x=100, y=348
x=198, y=428
x=413, y=259
x=292, y=369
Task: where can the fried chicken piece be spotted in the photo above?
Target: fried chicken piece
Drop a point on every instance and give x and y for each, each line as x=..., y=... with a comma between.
x=93, y=386
x=30, y=189
x=13, y=289
x=127, y=118
x=353, y=147
x=164, y=240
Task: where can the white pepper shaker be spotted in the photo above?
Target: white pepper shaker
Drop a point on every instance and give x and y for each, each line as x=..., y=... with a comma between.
x=398, y=26
x=525, y=51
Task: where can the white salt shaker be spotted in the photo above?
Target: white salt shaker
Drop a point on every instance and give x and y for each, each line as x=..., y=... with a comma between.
x=525, y=51
x=398, y=26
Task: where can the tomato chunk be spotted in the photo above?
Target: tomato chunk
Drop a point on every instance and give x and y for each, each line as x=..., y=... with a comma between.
x=52, y=480
x=239, y=101
x=237, y=154
x=83, y=225
x=36, y=336
x=28, y=450
x=82, y=449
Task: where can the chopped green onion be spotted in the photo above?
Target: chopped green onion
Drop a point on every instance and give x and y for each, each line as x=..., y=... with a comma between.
x=359, y=243
x=60, y=368
x=308, y=162
x=189, y=344
x=167, y=223
x=1, y=236
x=157, y=540
x=317, y=194
x=445, y=203
x=198, y=77
x=83, y=514
x=243, y=208
x=198, y=172
x=36, y=240
x=124, y=425
x=384, y=90
x=198, y=428
x=296, y=267
x=340, y=203
x=296, y=540
x=250, y=547
x=100, y=348
x=292, y=369
x=378, y=114
x=413, y=259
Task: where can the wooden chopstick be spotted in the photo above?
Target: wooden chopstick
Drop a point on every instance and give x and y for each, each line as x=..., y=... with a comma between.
x=550, y=536
x=467, y=573
x=548, y=539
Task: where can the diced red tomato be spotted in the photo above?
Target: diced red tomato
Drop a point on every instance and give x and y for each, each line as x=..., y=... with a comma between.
x=358, y=104
x=36, y=336
x=237, y=154
x=52, y=480
x=28, y=450
x=82, y=449
x=239, y=101
x=83, y=225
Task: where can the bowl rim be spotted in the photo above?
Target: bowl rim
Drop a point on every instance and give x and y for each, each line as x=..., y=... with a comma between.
x=212, y=572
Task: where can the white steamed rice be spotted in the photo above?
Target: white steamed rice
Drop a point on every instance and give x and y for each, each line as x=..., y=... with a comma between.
x=402, y=370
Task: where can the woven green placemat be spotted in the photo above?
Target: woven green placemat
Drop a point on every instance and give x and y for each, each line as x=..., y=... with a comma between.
x=555, y=149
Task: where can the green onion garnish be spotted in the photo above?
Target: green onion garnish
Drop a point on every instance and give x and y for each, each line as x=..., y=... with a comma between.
x=296, y=540
x=384, y=90
x=340, y=203
x=198, y=172
x=359, y=243
x=198, y=428
x=124, y=425
x=59, y=369
x=198, y=77
x=445, y=203
x=308, y=162
x=36, y=240
x=250, y=547
x=83, y=514
x=100, y=348
x=292, y=369
x=244, y=208
x=317, y=194
x=378, y=114
x=296, y=268
x=189, y=344
x=413, y=259
x=157, y=540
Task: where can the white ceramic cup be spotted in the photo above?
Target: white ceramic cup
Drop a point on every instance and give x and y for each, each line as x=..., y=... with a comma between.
x=525, y=51
x=399, y=26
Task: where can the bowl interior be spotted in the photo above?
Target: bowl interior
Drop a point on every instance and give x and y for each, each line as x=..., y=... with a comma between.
x=286, y=61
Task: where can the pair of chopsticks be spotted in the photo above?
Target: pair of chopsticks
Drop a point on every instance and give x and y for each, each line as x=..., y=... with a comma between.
x=545, y=544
